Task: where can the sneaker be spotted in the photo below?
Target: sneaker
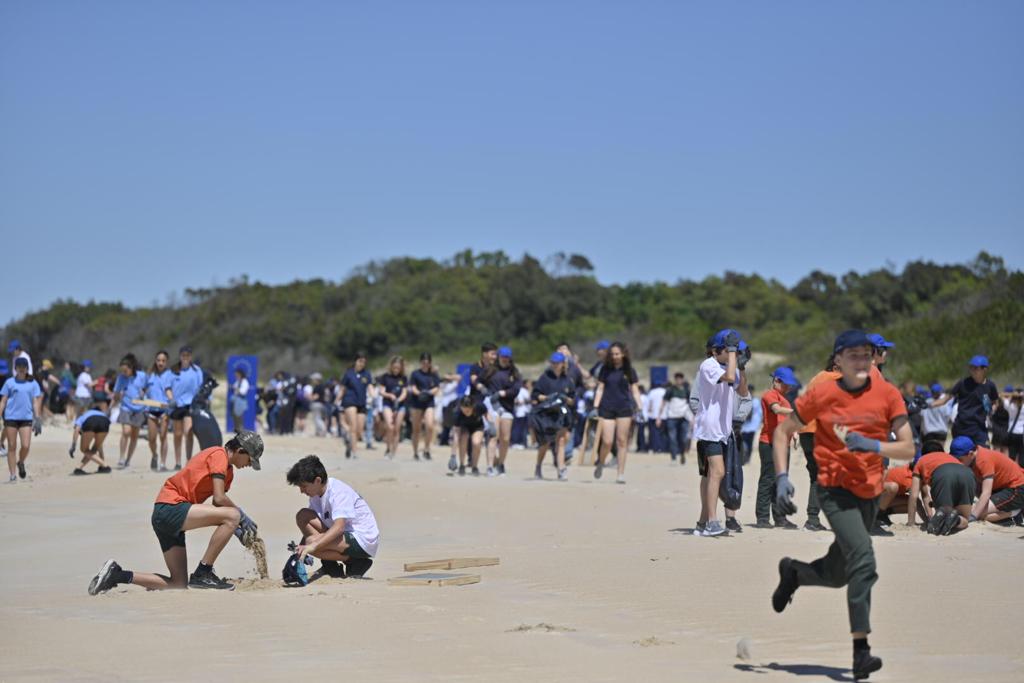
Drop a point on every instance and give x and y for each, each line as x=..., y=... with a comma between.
x=103, y=470
x=883, y=519
x=152, y=463
x=713, y=528
x=621, y=479
x=563, y=474
x=597, y=470
x=864, y=664
x=732, y=524
x=788, y=583
x=1018, y=518
x=937, y=522
x=764, y=524
x=538, y=472
x=163, y=468
x=415, y=456
x=13, y=479
x=177, y=468
x=335, y=570
x=426, y=455
x=814, y=525
x=21, y=470
x=951, y=525
x=476, y=472
x=355, y=568
x=785, y=524
x=698, y=528
x=389, y=455
x=121, y=464
x=453, y=463
x=3, y=451
x=462, y=470
x=104, y=579
x=78, y=472
x=879, y=530
x=501, y=470
x=491, y=472
x=208, y=579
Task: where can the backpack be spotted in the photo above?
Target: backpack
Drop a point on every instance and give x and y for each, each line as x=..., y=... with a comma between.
x=294, y=572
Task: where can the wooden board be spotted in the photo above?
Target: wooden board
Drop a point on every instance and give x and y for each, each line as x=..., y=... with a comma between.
x=149, y=402
x=434, y=579
x=452, y=563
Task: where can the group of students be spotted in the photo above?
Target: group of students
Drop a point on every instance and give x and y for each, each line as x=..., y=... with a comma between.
x=337, y=526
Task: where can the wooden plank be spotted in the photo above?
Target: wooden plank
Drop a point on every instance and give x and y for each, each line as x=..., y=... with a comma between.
x=452, y=563
x=149, y=402
x=435, y=579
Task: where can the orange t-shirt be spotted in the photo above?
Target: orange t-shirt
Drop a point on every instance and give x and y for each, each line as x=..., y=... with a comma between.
x=812, y=426
x=1005, y=473
x=927, y=464
x=869, y=412
x=772, y=420
x=194, y=484
x=901, y=476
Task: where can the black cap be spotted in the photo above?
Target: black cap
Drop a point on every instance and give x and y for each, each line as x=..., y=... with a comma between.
x=851, y=339
x=185, y=349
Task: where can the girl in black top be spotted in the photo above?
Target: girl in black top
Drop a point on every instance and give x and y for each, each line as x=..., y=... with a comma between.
x=503, y=383
x=424, y=385
x=555, y=382
x=469, y=419
x=617, y=400
x=392, y=385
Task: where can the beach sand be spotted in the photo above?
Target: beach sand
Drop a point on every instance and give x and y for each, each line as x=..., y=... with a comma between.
x=597, y=582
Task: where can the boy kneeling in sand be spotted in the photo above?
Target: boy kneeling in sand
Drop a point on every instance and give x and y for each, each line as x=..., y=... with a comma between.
x=181, y=507
x=337, y=526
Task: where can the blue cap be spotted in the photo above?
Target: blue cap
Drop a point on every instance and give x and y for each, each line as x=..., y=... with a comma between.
x=718, y=340
x=921, y=390
x=880, y=341
x=962, y=445
x=851, y=339
x=15, y=344
x=742, y=346
x=87, y=363
x=937, y=388
x=786, y=375
x=557, y=357
x=602, y=345
x=21, y=362
x=1008, y=389
x=3, y=367
x=978, y=362
x=505, y=352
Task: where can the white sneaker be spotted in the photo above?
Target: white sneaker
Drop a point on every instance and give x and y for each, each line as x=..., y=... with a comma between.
x=563, y=475
x=3, y=451
x=491, y=472
x=621, y=479
x=713, y=528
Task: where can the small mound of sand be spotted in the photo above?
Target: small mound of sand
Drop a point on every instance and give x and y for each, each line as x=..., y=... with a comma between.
x=546, y=628
x=243, y=584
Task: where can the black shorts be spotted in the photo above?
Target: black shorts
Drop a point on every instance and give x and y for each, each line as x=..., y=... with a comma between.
x=952, y=485
x=155, y=413
x=97, y=424
x=168, y=523
x=359, y=409
x=181, y=412
x=613, y=413
x=421, y=404
x=1008, y=500
x=355, y=551
x=705, y=449
x=17, y=424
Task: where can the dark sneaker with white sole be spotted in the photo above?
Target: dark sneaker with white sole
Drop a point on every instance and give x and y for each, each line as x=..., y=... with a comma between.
x=356, y=568
x=104, y=579
x=732, y=525
x=333, y=569
x=788, y=584
x=208, y=579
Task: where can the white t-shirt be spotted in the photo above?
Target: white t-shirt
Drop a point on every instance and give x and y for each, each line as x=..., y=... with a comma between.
x=83, y=386
x=713, y=420
x=654, y=399
x=936, y=420
x=242, y=388
x=523, y=403
x=1013, y=409
x=340, y=501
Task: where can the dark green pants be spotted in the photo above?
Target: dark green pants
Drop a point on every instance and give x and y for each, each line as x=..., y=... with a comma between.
x=850, y=560
x=766, y=486
x=807, y=446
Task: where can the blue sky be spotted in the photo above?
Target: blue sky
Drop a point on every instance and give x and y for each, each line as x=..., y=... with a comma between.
x=149, y=147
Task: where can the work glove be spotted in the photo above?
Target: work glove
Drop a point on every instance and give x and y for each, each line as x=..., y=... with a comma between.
x=862, y=444
x=784, y=492
x=743, y=358
x=246, y=531
x=732, y=341
x=171, y=404
x=71, y=450
x=37, y=426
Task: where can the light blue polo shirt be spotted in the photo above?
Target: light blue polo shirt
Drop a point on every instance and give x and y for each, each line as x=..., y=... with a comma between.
x=130, y=388
x=20, y=395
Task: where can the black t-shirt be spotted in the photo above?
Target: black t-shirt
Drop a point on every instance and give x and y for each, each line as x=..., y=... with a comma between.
x=549, y=384
x=476, y=376
x=473, y=422
x=974, y=403
x=502, y=379
x=392, y=384
x=424, y=382
x=617, y=394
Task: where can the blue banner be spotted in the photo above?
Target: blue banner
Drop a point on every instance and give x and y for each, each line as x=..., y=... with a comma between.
x=659, y=375
x=250, y=365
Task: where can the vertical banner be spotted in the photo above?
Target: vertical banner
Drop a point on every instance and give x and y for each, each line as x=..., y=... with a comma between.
x=659, y=375
x=463, y=369
x=250, y=365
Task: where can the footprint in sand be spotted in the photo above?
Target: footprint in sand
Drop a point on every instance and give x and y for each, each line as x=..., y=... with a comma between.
x=542, y=627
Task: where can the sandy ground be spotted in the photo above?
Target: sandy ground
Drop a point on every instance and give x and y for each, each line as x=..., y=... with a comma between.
x=597, y=582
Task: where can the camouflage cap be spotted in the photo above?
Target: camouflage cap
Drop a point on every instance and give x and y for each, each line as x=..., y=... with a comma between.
x=251, y=443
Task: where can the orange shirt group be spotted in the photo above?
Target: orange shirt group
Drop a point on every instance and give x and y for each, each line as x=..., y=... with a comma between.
x=194, y=484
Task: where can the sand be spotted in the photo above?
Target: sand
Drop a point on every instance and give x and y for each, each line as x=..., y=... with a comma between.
x=597, y=582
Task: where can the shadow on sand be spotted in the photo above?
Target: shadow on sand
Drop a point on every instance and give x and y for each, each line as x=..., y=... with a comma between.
x=830, y=672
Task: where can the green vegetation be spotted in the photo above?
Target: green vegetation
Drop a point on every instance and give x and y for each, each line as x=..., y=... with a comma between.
x=939, y=315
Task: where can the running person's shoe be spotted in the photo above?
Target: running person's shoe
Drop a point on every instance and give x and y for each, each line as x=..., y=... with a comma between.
x=415, y=455
x=698, y=528
x=764, y=524
x=152, y=463
x=462, y=470
x=426, y=455
x=491, y=472
x=121, y=465
x=78, y=471
x=13, y=479
x=733, y=525
x=865, y=664
x=785, y=524
x=598, y=469
x=563, y=474
x=621, y=479
x=453, y=463
x=476, y=472
x=104, y=579
x=538, y=472
x=103, y=470
x=501, y=470
x=879, y=530
x=788, y=583
x=207, y=579
x=713, y=528
x=21, y=470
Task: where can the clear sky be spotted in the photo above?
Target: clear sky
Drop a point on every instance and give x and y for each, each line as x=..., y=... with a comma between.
x=146, y=147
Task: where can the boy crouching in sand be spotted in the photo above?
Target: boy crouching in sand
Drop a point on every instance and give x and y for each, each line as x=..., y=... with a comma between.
x=181, y=507
x=337, y=526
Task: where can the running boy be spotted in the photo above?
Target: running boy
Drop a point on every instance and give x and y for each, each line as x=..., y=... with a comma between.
x=21, y=404
x=181, y=507
x=855, y=415
x=1001, y=479
x=337, y=526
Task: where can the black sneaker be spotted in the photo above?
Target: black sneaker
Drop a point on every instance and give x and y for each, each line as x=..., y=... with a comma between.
x=21, y=470
x=356, y=568
x=208, y=579
x=764, y=524
x=883, y=519
x=864, y=664
x=732, y=525
x=785, y=524
x=501, y=470
x=462, y=470
x=415, y=456
x=814, y=525
x=103, y=470
x=426, y=455
x=1018, y=519
x=104, y=579
x=335, y=570
x=152, y=463
x=788, y=584
x=879, y=530
x=936, y=522
x=348, y=450
x=476, y=471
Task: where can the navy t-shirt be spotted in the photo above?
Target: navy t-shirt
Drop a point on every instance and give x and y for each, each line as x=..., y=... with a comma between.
x=424, y=382
x=617, y=394
x=502, y=379
x=356, y=385
x=974, y=403
x=392, y=384
x=550, y=384
x=476, y=376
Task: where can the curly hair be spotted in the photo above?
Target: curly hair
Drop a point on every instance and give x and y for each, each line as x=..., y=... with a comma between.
x=306, y=470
